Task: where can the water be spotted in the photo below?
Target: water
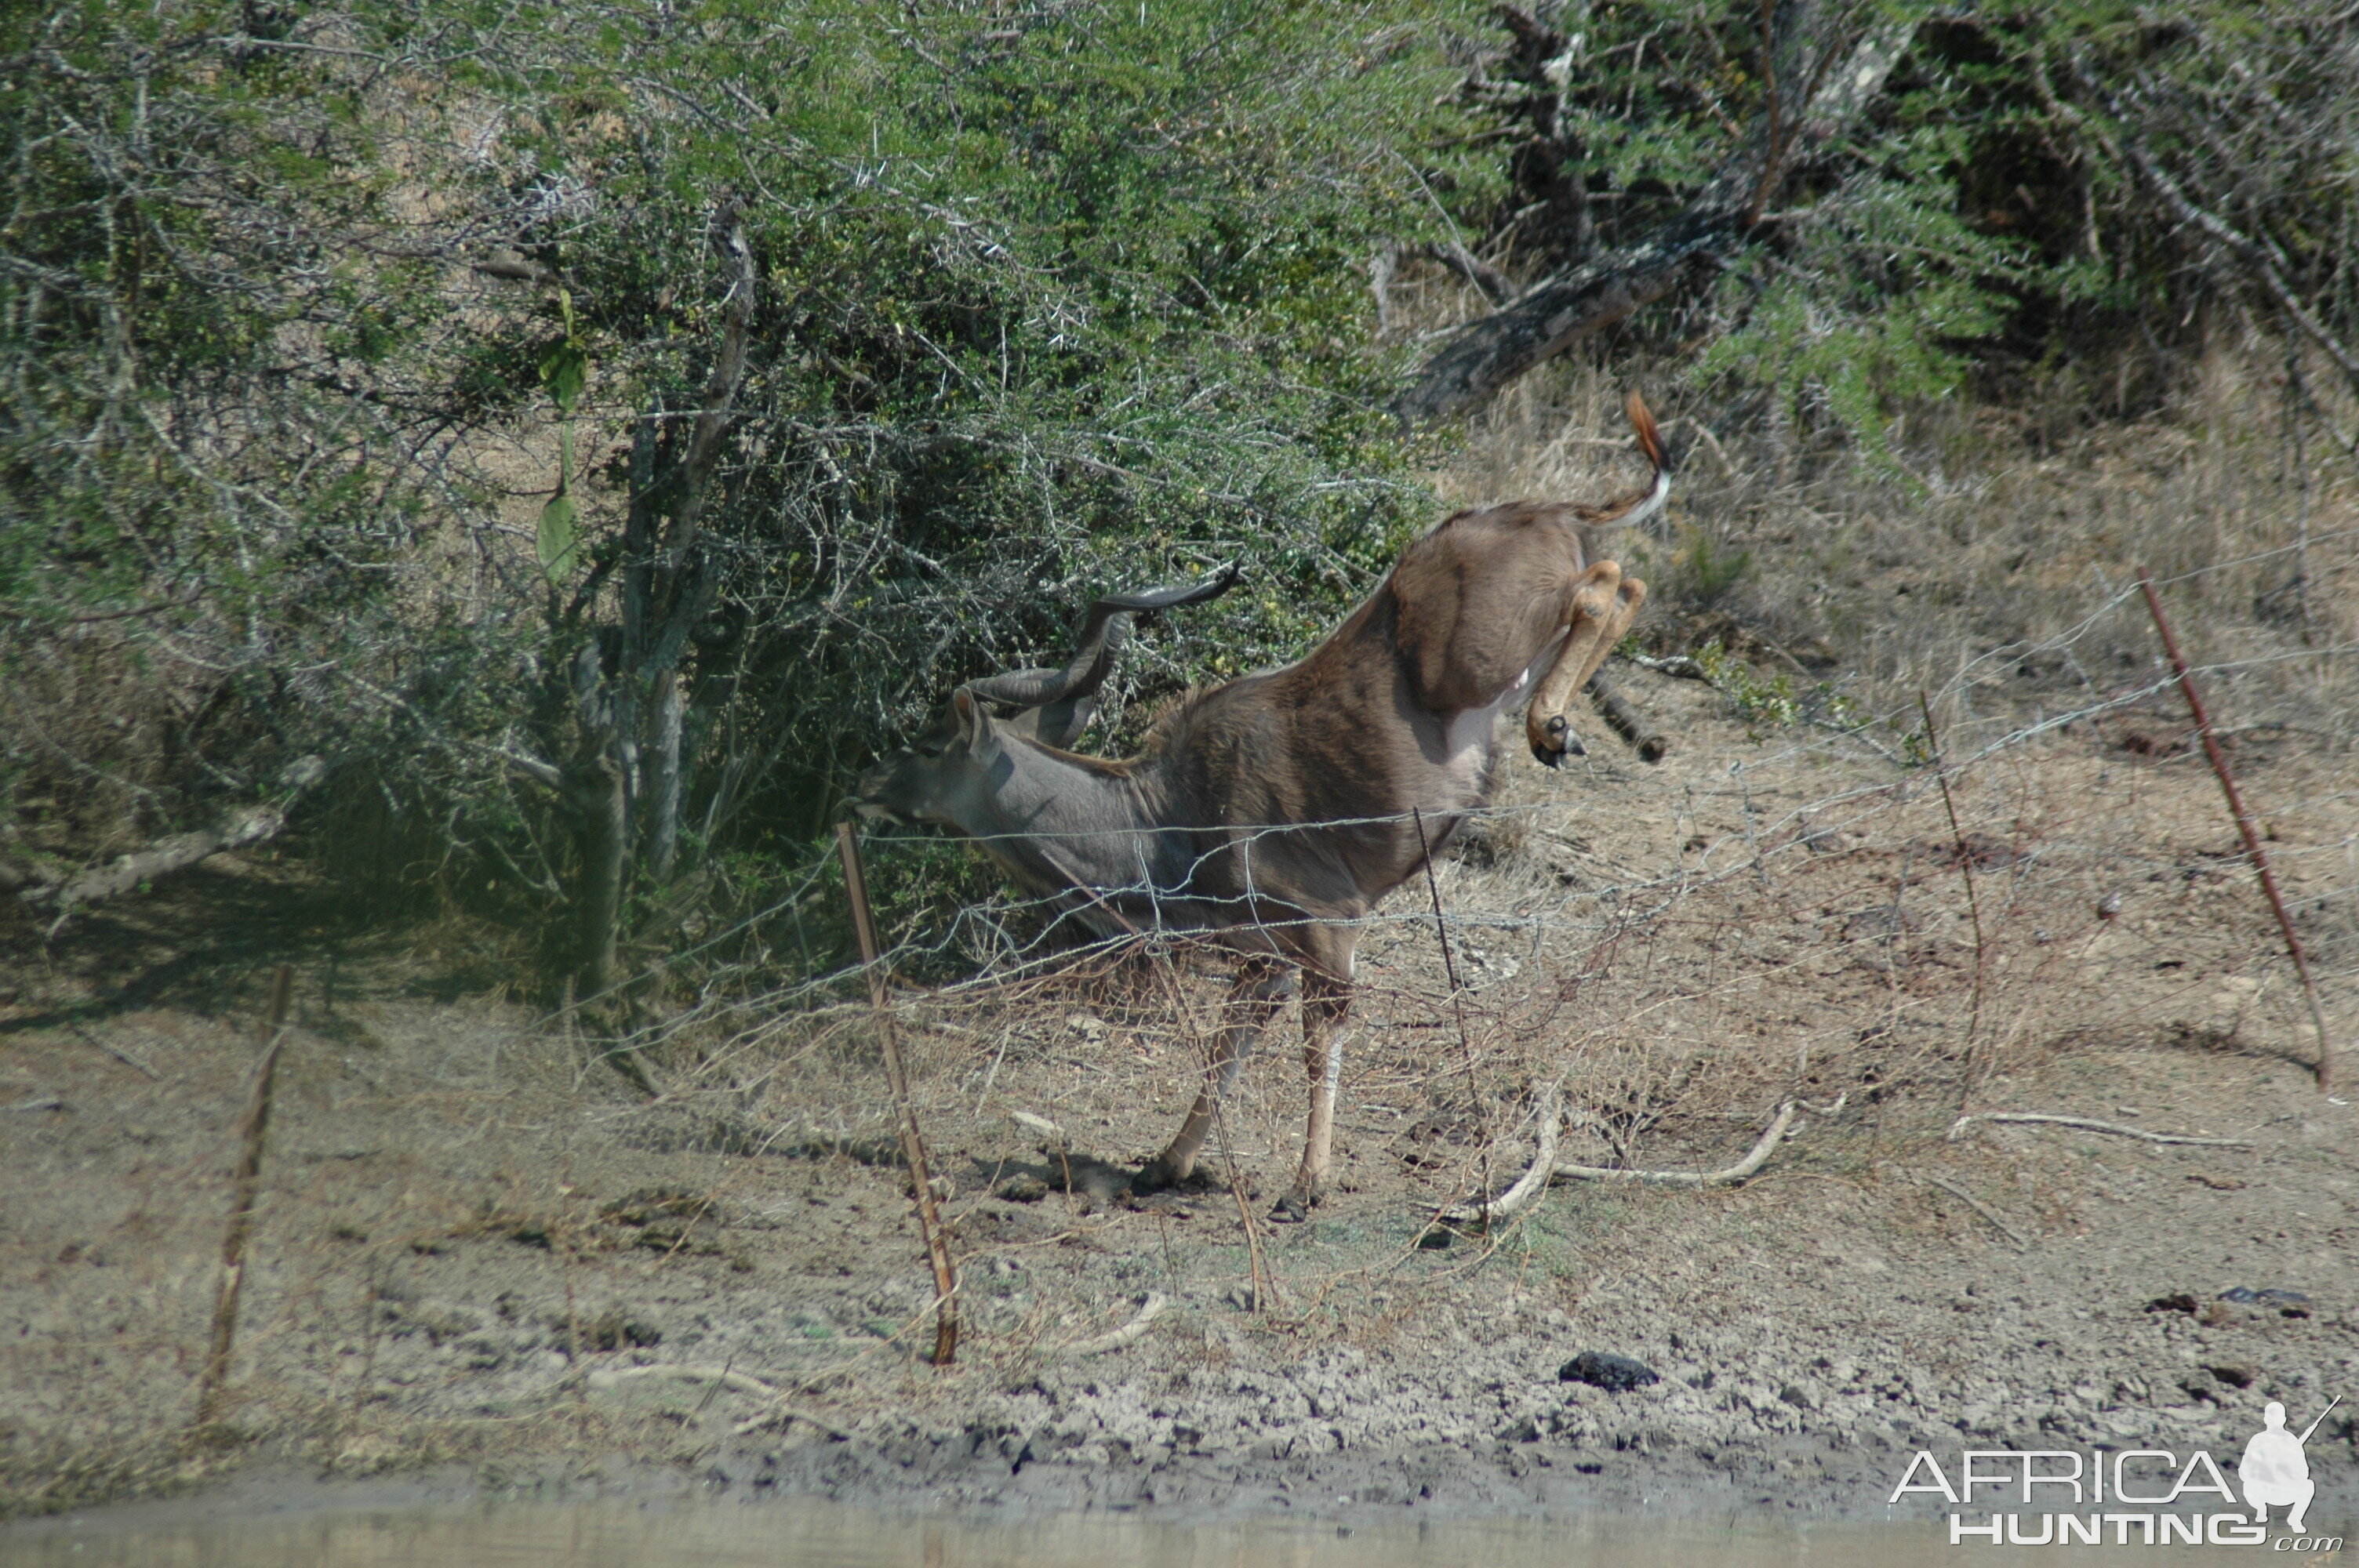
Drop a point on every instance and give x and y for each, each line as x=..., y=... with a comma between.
x=812, y=1534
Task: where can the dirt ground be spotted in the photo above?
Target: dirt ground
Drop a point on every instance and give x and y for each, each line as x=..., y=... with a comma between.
x=477, y=1249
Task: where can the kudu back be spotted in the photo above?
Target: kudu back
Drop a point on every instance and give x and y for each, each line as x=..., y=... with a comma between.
x=1273, y=812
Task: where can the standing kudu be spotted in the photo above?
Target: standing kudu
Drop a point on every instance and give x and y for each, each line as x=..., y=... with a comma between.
x=1273, y=812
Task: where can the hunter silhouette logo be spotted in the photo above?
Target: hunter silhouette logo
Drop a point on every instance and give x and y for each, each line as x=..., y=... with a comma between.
x=2138, y=1497
x=2274, y=1470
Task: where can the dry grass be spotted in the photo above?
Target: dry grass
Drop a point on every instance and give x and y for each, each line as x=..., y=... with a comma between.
x=1976, y=572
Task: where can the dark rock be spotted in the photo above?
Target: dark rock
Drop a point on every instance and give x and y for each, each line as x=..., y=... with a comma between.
x=2177, y=1301
x=1604, y=1369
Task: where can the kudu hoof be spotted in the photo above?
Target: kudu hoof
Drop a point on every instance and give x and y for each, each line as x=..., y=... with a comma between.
x=1159, y=1175
x=1291, y=1209
x=1554, y=741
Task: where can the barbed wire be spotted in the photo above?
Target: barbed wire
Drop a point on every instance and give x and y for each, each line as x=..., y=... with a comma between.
x=1798, y=910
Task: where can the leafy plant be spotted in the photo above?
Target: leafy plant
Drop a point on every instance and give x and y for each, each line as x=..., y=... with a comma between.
x=1707, y=573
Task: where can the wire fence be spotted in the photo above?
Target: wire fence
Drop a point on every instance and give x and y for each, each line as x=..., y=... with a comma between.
x=1799, y=903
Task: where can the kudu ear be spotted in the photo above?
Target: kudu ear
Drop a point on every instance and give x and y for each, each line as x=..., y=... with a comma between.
x=971, y=719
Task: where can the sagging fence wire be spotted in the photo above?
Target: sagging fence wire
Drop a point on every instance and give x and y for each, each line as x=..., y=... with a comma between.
x=1896, y=721
x=1675, y=944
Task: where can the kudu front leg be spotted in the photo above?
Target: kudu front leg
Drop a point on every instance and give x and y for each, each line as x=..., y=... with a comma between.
x=1325, y=1003
x=1261, y=989
x=1604, y=602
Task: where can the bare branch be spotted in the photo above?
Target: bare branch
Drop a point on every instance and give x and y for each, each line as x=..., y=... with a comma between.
x=2253, y=253
x=719, y=393
x=236, y=829
x=1553, y=316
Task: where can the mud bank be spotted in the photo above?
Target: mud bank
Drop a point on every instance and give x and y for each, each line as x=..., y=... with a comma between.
x=481, y=1258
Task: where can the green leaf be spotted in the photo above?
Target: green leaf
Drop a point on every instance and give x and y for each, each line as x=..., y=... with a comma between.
x=558, y=537
x=565, y=370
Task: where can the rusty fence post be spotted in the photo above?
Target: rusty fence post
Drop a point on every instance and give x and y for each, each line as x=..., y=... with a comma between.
x=913, y=1147
x=1965, y=869
x=2245, y=826
x=248, y=1188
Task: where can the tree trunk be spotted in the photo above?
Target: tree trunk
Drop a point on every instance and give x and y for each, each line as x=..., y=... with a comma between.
x=604, y=839
x=663, y=784
x=1558, y=313
x=630, y=781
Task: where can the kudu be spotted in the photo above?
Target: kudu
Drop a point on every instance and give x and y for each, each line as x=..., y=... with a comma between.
x=1273, y=812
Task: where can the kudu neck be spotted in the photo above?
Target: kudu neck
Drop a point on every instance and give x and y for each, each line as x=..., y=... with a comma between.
x=1055, y=821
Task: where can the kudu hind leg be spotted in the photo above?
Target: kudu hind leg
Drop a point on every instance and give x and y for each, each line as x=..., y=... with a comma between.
x=1604, y=602
x=1325, y=1003
x=1260, y=990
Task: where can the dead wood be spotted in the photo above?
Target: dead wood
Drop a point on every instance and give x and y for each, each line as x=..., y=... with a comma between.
x=1561, y=310
x=1980, y=1208
x=1628, y=722
x=2090, y=1124
x=1749, y=1165
x=1532, y=1183
x=1129, y=1334
x=238, y=829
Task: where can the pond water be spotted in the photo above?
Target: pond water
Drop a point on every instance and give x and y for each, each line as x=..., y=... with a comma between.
x=823, y=1535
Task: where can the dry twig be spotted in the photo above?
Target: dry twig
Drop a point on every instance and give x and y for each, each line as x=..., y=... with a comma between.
x=1752, y=1162
x=682, y=1372
x=1129, y=1334
x=2090, y=1124
x=1976, y=1204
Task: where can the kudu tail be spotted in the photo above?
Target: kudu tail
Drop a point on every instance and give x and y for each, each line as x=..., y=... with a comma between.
x=1650, y=441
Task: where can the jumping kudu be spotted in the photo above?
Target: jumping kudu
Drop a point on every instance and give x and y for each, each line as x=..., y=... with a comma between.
x=1273, y=812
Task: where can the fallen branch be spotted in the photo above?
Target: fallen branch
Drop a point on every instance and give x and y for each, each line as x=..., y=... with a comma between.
x=684, y=1372
x=2090, y=1124
x=792, y=1413
x=236, y=831
x=1976, y=1204
x=1527, y=1186
x=1628, y=722
x=165, y=856
x=1744, y=1168
x=742, y=1382
x=125, y=1058
x=1678, y=665
x=1129, y=1334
